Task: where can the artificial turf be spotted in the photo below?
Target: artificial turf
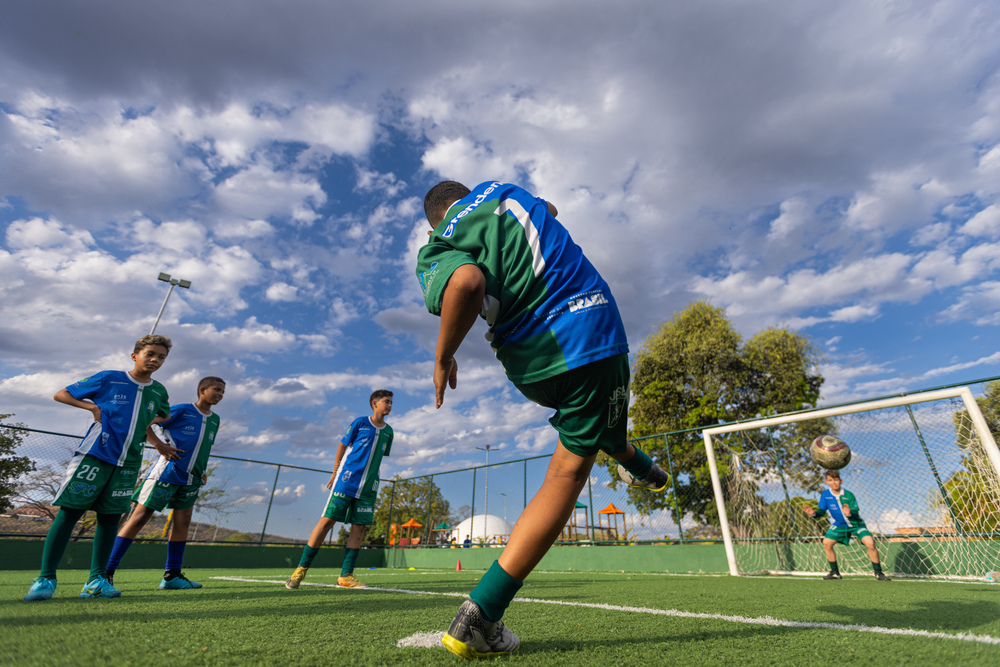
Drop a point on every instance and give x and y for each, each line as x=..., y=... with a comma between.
x=260, y=622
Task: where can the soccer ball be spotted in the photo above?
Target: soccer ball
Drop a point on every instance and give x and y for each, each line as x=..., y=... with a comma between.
x=830, y=452
x=993, y=577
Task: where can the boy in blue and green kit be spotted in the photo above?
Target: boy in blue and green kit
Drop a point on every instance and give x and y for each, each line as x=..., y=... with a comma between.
x=353, y=487
x=105, y=467
x=175, y=481
x=498, y=252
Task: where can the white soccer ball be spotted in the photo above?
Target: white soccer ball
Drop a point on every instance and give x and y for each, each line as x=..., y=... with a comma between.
x=830, y=452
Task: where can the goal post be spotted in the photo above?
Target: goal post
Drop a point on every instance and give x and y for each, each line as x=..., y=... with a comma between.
x=925, y=471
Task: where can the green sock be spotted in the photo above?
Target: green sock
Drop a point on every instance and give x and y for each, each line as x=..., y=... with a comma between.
x=307, y=556
x=639, y=465
x=350, y=558
x=495, y=591
x=833, y=567
x=877, y=567
x=55, y=542
x=104, y=542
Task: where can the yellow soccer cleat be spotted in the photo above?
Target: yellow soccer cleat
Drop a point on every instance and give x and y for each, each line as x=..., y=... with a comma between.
x=296, y=578
x=472, y=635
x=350, y=581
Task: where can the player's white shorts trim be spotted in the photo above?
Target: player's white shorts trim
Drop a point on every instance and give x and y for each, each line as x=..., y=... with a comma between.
x=146, y=490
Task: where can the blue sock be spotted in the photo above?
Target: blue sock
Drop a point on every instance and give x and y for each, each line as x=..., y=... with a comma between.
x=175, y=556
x=121, y=546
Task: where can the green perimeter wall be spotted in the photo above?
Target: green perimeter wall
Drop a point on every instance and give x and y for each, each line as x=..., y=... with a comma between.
x=27, y=555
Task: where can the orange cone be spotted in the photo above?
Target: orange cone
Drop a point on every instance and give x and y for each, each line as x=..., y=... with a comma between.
x=458, y=568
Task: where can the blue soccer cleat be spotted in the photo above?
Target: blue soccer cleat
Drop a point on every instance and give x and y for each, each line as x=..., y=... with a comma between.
x=99, y=588
x=178, y=583
x=41, y=589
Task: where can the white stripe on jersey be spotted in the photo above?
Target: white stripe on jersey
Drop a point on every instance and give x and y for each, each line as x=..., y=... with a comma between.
x=92, y=436
x=158, y=469
x=136, y=406
x=534, y=242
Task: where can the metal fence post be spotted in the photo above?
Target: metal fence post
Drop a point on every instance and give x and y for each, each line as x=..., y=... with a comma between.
x=673, y=484
x=472, y=522
x=269, y=503
x=388, y=523
x=590, y=496
x=430, y=486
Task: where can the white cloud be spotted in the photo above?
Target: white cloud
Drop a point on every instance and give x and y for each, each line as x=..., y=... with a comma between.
x=281, y=292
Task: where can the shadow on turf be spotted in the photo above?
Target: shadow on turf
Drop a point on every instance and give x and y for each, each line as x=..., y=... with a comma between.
x=931, y=616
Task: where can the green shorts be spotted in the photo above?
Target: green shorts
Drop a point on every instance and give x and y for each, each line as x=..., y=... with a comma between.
x=591, y=404
x=93, y=484
x=356, y=511
x=157, y=495
x=844, y=535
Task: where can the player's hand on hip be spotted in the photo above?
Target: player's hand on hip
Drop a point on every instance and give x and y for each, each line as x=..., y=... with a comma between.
x=96, y=411
x=445, y=373
x=171, y=453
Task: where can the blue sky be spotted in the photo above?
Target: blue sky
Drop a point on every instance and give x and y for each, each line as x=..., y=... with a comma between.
x=831, y=167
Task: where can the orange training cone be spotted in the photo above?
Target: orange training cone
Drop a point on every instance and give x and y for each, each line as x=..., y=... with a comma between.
x=458, y=568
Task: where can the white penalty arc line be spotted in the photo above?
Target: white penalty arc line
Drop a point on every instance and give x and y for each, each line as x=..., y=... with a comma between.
x=675, y=613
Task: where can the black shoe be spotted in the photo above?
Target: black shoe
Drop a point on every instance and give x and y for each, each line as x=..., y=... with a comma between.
x=882, y=577
x=833, y=575
x=472, y=635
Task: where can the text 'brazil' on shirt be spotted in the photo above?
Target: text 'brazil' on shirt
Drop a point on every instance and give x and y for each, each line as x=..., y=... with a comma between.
x=547, y=307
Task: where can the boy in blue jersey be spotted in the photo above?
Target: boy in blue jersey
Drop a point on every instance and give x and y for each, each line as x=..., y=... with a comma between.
x=175, y=481
x=353, y=487
x=842, y=507
x=105, y=467
x=498, y=252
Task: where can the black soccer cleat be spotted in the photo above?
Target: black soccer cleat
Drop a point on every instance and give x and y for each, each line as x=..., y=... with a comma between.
x=472, y=635
x=833, y=575
x=882, y=577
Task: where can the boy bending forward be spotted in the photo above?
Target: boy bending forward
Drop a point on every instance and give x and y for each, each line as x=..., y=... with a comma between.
x=353, y=487
x=842, y=507
x=499, y=252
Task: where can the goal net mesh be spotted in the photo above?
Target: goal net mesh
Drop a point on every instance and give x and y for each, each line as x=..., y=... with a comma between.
x=924, y=485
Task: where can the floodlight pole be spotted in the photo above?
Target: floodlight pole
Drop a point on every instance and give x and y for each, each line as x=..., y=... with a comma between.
x=174, y=282
x=504, y=507
x=486, y=500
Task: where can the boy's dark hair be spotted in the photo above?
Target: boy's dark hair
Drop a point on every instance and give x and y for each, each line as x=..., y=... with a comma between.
x=208, y=382
x=442, y=195
x=378, y=395
x=831, y=473
x=152, y=339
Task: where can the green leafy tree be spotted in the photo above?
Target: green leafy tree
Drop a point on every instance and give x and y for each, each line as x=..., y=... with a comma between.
x=12, y=467
x=697, y=372
x=409, y=499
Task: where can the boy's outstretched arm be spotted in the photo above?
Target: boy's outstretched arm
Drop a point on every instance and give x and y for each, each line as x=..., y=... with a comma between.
x=63, y=396
x=460, y=305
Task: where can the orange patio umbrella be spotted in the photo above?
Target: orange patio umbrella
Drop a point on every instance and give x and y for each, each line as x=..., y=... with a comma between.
x=612, y=511
x=410, y=525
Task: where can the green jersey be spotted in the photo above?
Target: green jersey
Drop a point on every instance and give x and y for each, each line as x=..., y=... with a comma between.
x=547, y=307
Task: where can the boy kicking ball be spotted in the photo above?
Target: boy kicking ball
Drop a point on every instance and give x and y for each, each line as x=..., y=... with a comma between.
x=353, y=487
x=175, y=480
x=842, y=507
x=498, y=252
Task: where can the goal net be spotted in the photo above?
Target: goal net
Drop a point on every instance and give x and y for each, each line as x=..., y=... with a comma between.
x=925, y=471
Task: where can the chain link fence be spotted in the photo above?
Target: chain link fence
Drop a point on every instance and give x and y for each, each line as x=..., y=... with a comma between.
x=257, y=502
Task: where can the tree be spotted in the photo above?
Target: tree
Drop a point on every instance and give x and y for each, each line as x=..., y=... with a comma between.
x=11, y=467
x=972, y=498
x=697, y=372
x=409, y=499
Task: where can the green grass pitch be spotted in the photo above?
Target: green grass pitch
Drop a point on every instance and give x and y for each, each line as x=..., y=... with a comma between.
x=569, y=618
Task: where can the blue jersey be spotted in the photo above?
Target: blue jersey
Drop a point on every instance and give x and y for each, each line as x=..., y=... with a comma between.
x=547, y=307
x=833, y=505
x=357, y=476
x=127, y=408
x=192, y=431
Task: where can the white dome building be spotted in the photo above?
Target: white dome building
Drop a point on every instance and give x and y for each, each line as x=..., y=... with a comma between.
x=482, y=527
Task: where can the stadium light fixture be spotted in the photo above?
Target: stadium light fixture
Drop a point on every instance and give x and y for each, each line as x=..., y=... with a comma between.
x=486, y=501
x=174, y=282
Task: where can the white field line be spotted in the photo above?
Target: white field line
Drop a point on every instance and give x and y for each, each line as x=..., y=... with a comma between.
x=746, y=620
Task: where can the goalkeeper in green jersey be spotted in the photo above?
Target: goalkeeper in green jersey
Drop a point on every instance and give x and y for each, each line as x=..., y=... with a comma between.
x=842, y=508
